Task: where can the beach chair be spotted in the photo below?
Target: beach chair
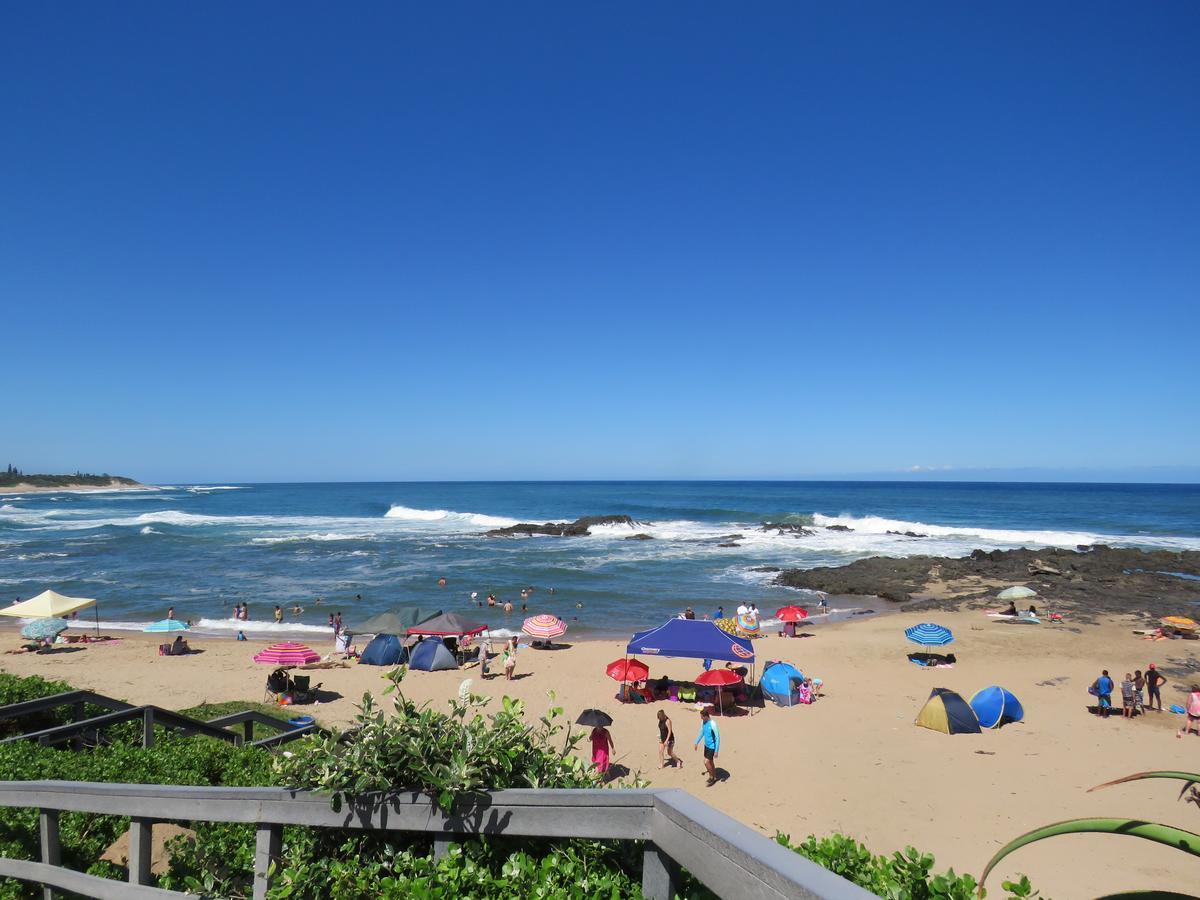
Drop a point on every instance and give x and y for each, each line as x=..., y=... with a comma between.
x=301, y=692
x=278, y=684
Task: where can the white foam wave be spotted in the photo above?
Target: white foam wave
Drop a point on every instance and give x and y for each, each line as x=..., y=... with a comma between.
x=149, y=530
x=47, y=555
x=877, y=525
x=327, y=536
x=256, y=626
x=206, y=488
x=481, y=520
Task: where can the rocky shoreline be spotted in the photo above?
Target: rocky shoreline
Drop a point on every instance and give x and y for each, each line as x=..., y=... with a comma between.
x=1097, y=580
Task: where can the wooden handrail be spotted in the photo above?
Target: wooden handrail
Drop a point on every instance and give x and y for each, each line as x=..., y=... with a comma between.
x=731, y=859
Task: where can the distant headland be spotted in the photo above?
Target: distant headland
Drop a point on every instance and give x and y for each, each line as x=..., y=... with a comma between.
x=14, y=481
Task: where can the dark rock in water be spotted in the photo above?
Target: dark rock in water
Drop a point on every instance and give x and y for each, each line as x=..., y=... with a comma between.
x=765, y=569
x=838, y=528
x=786, y=528
x=907, y=534
x=729, y=544
x=732, y=537
x=1101, y=580
x=641, y=536
x=562, y=529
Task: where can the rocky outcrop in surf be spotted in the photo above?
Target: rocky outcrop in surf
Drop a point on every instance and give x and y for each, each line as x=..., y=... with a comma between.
x=578, y=528
x=1100, y=579
x=787, y=528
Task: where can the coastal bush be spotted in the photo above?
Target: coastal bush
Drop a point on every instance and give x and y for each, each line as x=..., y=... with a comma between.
x=906, y=875
x=14, y=689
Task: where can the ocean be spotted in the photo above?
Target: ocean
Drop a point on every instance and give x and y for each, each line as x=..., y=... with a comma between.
x=203, y=548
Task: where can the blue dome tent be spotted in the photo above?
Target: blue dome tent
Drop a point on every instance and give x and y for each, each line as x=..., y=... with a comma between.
x=995, y=706
x=431, y=655
x=384, y=650
x=777, y=682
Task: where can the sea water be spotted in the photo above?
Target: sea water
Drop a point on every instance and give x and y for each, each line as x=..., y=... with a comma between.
x=203, y=548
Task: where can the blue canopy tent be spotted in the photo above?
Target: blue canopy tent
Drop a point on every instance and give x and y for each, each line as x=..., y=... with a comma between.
x=384, y=650
x=431, y=655
x=995, y=706
x=691, y=639
x=777, y=682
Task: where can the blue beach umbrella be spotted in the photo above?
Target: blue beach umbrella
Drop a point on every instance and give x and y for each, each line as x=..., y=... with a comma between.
x=929, y=635
x=166, y=625
x=44, y=629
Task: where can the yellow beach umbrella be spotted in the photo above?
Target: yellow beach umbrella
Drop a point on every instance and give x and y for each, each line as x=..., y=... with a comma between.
x=1183, y=623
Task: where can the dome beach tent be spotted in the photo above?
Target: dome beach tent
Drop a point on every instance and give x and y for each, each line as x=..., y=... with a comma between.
x=384, y=650
x=50, y=605
x=947, y=712
x=777, y=680
x=431, y=655
x=994, y=706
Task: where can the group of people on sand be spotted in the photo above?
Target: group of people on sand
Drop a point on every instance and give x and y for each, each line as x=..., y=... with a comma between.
x=709, y=736
x=1132, y=688
x=508, y=659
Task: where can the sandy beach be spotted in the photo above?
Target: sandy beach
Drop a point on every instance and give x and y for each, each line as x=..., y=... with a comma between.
x=853, y=762
x=114, y=485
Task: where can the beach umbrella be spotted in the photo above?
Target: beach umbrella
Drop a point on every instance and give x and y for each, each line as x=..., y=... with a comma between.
x=595, y=718
x=929, y=635
x=1017, y=593
x=627, y=670
x=748, y=625
x=719, y=678
x=1183, y=623
x=791, y=613
x=544, y=627
x=287, y=653
x=166, y=625
x=44, y=629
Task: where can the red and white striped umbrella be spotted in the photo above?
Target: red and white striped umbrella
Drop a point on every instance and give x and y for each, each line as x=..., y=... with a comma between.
x=287, y=653
x=544, y=627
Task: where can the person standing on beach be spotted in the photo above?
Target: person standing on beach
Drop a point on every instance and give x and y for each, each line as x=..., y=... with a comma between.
x=483, y=660
x=1192, y=711
x=337, y=624
x=824, y=604
x=712, y=745
x=1104, y=689
x=666, y=741
x=510, y=658
x=602, y=745
x=1154, y=683
x=720, y=613
x=1127, y=696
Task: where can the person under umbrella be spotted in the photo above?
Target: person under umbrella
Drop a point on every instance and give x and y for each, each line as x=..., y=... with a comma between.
x=602, y=745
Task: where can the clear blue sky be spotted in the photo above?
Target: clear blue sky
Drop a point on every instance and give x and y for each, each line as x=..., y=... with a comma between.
x=300, y=241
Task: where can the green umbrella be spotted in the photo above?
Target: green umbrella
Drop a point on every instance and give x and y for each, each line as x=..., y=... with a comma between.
x=397, y=621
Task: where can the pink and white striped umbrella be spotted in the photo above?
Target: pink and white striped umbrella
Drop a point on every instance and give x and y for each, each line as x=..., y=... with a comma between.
x=544, y=627
x=287, y=653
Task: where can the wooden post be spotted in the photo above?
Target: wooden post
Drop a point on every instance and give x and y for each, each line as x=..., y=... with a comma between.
x=660, y=874
x=248, y=731
x=441, y=846
x=140, y=834
x=148, y=727
x=51, y=848
x=267, y=846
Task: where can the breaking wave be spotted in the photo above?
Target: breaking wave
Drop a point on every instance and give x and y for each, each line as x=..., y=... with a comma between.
x=446, y=516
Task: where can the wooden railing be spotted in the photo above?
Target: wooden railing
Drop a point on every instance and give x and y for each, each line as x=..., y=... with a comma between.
x=678, y=830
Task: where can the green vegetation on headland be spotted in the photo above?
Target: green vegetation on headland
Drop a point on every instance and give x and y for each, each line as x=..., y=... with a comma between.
x=443, y=754
x=12, y=476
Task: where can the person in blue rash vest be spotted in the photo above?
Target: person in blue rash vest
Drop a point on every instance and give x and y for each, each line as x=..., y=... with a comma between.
x=712, y=745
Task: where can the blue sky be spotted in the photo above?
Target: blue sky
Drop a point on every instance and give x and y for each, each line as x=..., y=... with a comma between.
x=295, y=242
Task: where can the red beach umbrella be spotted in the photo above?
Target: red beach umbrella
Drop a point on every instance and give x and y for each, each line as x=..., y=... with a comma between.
x=627, y=670
x=719, y=678
x=544, y=627
x=791, y=613
x=288, y=653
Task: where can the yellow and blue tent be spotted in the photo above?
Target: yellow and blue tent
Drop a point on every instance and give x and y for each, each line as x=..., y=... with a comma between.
x=947, y=712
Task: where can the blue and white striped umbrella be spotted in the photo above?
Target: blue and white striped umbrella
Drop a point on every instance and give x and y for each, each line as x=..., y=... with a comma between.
x=43, y=629
x=166, y=625
x=929, y=635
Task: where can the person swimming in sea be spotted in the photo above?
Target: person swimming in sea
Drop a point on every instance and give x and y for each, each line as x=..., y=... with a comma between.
x=297, y=608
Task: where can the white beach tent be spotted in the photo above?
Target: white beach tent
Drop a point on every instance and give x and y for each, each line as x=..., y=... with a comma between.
x=50, y=605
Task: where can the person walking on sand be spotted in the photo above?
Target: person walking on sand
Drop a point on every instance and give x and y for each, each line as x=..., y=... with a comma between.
x=712, y=745
x=510, y=658
x=1192, y=710
x=1154, y=683
x=1127, y=696
x=666, y=741
x=602, y=746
